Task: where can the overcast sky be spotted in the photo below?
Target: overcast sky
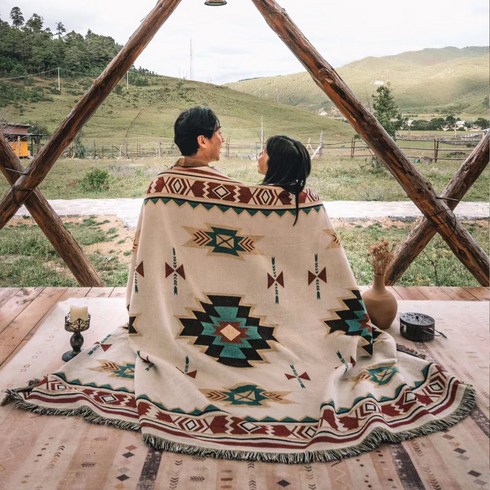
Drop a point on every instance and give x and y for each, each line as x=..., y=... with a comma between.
x=234, y=42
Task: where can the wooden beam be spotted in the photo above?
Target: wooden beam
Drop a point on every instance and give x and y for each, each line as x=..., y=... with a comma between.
x=418, y=189
x=84, y=109
x=50, y=223
x=423, y=232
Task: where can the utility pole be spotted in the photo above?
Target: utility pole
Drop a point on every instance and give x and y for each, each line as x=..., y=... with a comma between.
x=191, y=73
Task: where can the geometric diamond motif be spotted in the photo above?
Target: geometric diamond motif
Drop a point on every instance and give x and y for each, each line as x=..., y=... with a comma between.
x=283, y=483
x=118, y=370
x=382, y=375
x=249, y=395
x=228, y=332
x=354, y=321
x=221, y=240
x=108, y=398
x=221, y=191
x=436, y=387
x=248, y=426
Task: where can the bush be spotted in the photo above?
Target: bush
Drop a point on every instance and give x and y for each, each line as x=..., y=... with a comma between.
x=95, y=180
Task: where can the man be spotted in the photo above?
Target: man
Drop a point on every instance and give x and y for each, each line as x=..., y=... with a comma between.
x=197, y=133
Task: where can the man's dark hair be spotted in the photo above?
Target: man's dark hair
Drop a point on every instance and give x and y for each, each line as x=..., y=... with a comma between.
x=192, y=123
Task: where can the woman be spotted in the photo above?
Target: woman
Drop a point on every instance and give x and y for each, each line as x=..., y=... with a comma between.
x=289, y=166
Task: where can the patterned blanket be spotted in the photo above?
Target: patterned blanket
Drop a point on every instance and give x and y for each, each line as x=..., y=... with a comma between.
x=247, y=337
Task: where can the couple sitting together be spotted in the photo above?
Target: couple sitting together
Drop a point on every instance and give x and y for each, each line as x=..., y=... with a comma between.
x=247, y=335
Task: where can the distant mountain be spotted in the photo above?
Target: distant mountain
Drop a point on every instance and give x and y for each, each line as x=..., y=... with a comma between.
x=445, y=80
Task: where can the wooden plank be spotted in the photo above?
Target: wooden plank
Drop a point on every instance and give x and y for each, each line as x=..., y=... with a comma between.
x=100, y=292
x=482, y=294
x=460, y=294
x=6, y=293
x=434, y=293
x=16, y=304
x=409, y=292
x=396, y=294
x=21, y=326
x=118, y=293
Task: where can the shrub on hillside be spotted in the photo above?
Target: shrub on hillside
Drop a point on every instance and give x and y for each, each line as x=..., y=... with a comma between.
x=95, y=180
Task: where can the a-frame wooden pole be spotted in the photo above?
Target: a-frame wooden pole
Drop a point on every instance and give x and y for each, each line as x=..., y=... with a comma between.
x=423, y=232
x=84, y=109
x=50, y=223
x=415, y=185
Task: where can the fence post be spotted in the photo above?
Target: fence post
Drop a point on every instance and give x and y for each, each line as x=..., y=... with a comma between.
x=436, y=149
x=352, y=147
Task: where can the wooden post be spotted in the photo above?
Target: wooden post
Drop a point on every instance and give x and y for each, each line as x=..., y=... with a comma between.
x=352, y=147
x=436, y=149
x=50, y=223
x=85, y=108
x=418, y=189
x=423, y=232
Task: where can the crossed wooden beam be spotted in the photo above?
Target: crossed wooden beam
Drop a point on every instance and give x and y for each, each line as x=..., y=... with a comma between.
x=438, y=214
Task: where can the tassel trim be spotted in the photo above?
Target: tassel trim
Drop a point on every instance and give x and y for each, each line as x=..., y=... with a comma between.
x=85, y=412
x=371, y=442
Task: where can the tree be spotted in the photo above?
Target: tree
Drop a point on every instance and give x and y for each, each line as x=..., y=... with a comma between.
x=482, y=123
x=60, y=29
x=436, y=124
x=35, y=23
x=451, y=121
x=386, y=110
x=17, y=17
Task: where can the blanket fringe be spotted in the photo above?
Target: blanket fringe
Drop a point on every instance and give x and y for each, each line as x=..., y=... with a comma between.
x=85, y=412
x=372, y=442
x=305, y=457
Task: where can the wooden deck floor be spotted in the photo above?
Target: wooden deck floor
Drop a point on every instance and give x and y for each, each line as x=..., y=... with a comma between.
x=82, y=455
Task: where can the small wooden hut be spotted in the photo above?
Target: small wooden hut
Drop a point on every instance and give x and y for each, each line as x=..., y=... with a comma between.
x=17, y=136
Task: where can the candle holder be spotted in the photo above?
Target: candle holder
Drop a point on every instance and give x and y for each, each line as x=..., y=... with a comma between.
x=76, y=340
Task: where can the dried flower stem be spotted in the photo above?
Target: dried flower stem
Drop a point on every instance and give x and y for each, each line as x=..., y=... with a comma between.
x=379, y=256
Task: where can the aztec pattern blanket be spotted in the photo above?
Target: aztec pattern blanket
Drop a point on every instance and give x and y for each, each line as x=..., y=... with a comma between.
x=248, y=337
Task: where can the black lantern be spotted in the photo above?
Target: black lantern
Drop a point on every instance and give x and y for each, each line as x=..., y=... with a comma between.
x=215, y=3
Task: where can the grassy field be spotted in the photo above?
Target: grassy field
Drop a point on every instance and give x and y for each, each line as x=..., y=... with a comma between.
x=333, y=177
x=29, y=260
x=142, y=114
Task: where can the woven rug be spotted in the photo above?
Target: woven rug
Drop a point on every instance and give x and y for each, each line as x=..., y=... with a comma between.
x=248, y=338
x=67, y=453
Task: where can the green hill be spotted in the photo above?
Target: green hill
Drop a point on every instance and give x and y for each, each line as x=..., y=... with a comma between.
x=446, y=80
x=148, y=110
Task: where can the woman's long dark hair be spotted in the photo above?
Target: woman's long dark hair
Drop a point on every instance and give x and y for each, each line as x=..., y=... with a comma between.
x=289, y=166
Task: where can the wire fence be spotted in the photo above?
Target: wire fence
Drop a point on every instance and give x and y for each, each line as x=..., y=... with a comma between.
x=417, y=149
